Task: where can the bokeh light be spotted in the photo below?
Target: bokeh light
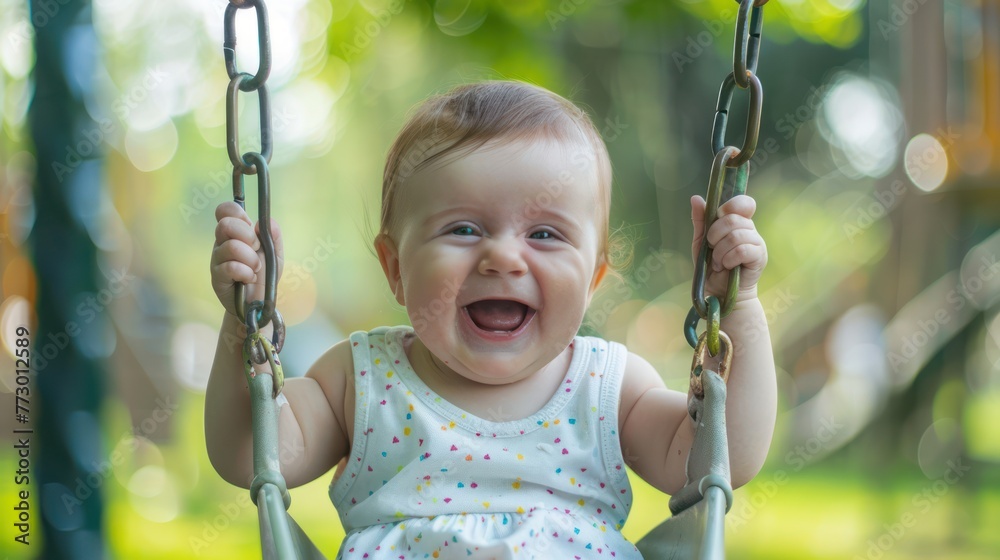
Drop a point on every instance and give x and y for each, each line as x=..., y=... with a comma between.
x=192, y=351
x=925, y=162
x=859, y=270
x=863, y=124
x=460, y=17
x=149, y=150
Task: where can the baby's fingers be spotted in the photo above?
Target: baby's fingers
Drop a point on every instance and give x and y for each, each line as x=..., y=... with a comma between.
x=230, y=209
x=741, y=205
x=228, y=272
x=238, y=253
x=235, y=229
x=741, y=247
x=726, y=225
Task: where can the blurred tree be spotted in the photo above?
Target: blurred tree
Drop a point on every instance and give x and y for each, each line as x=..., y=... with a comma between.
x=70, y=387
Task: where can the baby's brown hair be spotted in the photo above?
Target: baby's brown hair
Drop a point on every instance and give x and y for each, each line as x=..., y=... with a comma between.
x=469, y=116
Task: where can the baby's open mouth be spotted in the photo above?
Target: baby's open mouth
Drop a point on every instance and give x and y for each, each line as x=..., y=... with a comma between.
x=498, y=315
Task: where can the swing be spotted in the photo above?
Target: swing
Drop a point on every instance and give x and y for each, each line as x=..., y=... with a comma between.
x=696, y=528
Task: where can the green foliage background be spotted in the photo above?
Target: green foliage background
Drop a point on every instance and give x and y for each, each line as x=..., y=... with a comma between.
x=648, y=72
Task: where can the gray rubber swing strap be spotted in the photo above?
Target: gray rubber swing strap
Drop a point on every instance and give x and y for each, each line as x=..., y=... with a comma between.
x=280, y=537
x=696, y=530
x=708, y=463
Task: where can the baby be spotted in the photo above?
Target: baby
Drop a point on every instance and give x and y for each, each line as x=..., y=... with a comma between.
x=489, y=429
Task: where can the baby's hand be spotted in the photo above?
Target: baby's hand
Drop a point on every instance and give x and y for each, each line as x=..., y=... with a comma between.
x=238, y=256
x=734, y=241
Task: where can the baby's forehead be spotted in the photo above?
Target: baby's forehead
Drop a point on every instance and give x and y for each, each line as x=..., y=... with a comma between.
x=521, y=175
x=528, y=181
x=517, y=165
x=544, y=155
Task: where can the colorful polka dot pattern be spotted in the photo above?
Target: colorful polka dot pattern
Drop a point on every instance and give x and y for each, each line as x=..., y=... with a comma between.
x=426, y=479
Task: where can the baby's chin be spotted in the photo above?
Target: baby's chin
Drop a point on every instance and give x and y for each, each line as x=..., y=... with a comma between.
x=500, y=368
x=494, y=370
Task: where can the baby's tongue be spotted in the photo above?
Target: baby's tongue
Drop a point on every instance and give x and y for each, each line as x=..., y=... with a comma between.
x=497, y=315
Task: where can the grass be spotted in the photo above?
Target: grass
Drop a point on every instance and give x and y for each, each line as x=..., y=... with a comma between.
x=170, y=504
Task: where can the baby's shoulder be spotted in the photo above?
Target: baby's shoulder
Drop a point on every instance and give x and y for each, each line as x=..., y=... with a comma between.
x=335, y=366
x=619, y=354
x=362, y=348
x=602, y=353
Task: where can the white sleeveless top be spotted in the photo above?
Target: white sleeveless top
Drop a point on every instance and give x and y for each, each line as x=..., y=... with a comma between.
x=426, y=479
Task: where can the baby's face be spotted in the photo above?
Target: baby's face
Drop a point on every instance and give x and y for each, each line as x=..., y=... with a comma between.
x=496, y=256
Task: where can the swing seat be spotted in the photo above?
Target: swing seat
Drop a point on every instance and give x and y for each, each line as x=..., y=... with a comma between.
x=695, y=531
x=697, y=527
x=280, y=536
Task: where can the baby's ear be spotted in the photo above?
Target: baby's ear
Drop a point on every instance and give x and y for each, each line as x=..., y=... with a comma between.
x=388, y=257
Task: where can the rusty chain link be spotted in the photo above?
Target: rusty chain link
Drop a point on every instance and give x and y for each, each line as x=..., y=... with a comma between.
x=749, y=22
x=255, y=314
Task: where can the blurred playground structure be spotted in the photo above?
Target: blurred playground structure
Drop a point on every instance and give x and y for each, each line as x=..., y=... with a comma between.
x=877, y=173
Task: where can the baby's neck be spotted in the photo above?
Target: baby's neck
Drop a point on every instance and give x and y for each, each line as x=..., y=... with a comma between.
x=497, y=403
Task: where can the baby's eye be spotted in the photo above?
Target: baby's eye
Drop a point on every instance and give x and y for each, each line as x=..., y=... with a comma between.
x=542, y=235
x=464, y=230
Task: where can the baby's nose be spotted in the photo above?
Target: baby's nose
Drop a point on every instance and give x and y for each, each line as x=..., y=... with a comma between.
x=503, y=257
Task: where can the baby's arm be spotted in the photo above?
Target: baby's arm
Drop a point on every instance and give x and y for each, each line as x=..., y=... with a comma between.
x=656, y=431
x=312, y=428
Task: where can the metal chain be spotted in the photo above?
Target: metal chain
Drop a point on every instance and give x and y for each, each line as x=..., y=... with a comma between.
x=258, y=313
x=749, y=22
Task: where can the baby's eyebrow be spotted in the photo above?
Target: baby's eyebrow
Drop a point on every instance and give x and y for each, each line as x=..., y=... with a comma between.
x=539, y=211
x=464, y=208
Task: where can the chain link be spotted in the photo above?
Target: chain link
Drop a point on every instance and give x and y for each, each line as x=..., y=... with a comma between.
x=256, y=314
x=749, y=22
x=753, y=118
x=263, y=42
x=232, y=124
x=698, y=363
